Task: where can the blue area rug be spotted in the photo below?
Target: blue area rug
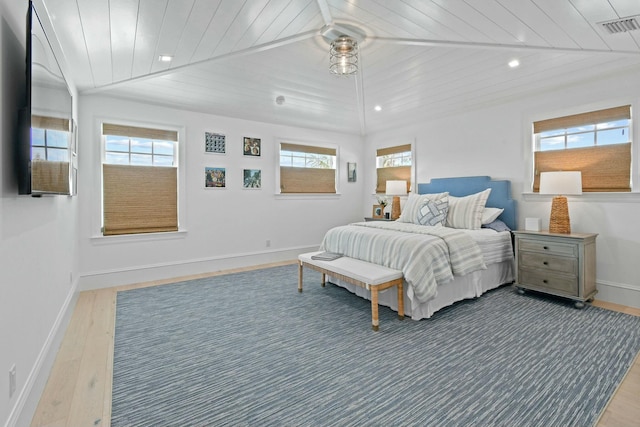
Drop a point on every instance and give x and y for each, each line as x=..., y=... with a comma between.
x=247, y=349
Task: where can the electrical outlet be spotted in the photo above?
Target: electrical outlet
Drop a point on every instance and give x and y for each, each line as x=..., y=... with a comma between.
x=12, y=380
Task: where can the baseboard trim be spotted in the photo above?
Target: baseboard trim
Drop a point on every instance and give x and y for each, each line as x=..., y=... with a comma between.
x=30, y=395
x=144, y=273
x=618, y=293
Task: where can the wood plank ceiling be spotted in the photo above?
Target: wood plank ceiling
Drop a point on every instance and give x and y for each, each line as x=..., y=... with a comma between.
x=419, y=59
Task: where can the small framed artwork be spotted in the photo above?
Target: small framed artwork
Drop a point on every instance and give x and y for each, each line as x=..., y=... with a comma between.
x=252, y=178
x=378, y=211
x=351, y=172
x=215, y=143
x=251, y=146
x=215, y=177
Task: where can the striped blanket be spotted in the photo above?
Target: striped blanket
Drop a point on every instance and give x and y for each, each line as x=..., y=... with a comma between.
x=427, y=256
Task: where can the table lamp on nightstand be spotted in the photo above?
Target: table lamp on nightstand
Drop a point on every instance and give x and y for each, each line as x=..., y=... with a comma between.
x=560, y=184
x=396, y=189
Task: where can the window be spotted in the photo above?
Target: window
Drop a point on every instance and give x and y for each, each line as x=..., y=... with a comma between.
x=597, y=143
x=139, y=176
x=307, y=169
x=393, y=163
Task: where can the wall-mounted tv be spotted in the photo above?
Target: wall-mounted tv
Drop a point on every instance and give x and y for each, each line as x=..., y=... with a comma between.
x=46, y=146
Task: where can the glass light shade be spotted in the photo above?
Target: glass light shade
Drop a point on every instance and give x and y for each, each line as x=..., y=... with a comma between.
x=565, y=183
x=343, y=56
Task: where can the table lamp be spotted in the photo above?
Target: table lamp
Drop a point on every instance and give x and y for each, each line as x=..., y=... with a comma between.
x=396, y=189
x=560, y=184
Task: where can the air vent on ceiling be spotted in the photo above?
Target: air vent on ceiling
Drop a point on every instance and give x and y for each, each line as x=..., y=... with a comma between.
x=621, y=25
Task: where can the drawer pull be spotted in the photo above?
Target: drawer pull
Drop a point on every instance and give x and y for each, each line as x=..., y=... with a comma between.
x=545, y=247
x=545, y=263
x=544, y=281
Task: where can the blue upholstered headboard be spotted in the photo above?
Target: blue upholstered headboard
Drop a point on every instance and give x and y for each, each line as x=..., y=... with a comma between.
x=500, y=196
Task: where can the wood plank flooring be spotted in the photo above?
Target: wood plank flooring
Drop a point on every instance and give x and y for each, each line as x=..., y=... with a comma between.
x=78, y=391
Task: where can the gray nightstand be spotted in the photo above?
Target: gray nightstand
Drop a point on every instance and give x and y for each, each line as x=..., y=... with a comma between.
x=378, y=219
x=558, y=264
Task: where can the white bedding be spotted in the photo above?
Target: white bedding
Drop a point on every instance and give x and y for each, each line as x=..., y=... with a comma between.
x=378, y=242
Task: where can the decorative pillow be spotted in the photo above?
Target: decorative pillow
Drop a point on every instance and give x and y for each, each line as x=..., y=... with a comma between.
x=414, y=201
x=490, y=214
x=466, y=212
x=497, y=225
x=433, y=212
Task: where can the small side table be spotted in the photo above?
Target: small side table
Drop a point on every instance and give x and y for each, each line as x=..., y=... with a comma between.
x=558, y=264
x=377, y=219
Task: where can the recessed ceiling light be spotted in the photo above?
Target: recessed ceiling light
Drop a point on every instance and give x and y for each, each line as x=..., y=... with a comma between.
x=377, y=108
x=165, y=58
x=514, y=63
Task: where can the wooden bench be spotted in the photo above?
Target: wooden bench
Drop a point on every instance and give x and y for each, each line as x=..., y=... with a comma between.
x=370, y=276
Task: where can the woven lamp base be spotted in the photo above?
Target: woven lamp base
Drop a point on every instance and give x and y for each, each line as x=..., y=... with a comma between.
x=395, y=208
x=559, y=220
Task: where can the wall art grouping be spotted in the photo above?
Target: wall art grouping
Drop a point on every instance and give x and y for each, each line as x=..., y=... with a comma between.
x=215, y=143
x=251, y=146
x=215, y=177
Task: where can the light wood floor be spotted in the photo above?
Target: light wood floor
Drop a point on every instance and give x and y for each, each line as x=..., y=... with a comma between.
x=78, y=391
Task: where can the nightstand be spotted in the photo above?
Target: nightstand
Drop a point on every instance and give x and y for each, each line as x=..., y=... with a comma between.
x=557, y=264
x=377, y=219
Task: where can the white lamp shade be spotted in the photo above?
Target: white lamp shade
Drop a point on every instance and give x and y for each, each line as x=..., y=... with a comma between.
x=396, y=188
x=564, y=183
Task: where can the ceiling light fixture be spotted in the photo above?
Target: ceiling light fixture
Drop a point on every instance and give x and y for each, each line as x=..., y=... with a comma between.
x=377, y=108
x=280, y=100
x=165, y=58
x=343, y=56
x=514, y=63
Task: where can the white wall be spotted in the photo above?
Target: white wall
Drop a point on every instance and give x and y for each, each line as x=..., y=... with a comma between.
x=223, y=228
x=37, y=246
x=496, y=141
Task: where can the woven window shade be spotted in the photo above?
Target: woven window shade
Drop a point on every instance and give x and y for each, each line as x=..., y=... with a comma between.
x=604, y=168
x=307, y=180
x=402, y=173
x=285, y=146
x=50, y=177
x=393, y=150
x=139, y=199
x=592, y=117
x=53, y=123
x=138, y=132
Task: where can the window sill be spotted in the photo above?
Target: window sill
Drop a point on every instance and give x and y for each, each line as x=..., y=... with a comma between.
x=307, y=196
x=135, y=238
x=626, y=197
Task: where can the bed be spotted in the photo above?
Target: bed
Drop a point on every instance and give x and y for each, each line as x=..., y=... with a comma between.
x=452, y=242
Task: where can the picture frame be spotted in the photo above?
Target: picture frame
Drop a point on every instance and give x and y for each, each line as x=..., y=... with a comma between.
x=378, y=211
x=215, y=143
x=215, y=177
x=351, y=172
x=252, y=179
x=251, y=146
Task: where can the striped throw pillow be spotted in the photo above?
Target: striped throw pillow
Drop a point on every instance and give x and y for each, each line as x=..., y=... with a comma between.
x=466, y=212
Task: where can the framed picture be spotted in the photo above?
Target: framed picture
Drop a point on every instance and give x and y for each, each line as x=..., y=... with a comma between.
x=215, y=177
x=252, y=178
x=378, y=211
x=251, y=146
x=351, y=172
x=215, y=143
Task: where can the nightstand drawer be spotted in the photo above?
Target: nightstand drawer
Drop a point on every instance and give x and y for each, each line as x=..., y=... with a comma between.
x=548, y=246
x=556, y=282
x=548, y=262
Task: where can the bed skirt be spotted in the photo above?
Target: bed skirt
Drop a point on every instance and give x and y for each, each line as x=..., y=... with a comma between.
x=462, y=287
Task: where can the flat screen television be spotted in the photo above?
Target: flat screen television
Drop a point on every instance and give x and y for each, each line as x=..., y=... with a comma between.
x=46, y=150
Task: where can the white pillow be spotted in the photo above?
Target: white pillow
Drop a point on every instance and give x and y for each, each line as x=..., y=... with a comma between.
x=414, y=202
x=466, y=212
x=490, y=214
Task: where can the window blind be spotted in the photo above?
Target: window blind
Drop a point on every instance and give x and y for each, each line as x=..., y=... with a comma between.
x=53, y=123
x=592, y=117
x=139, y=132
x=139, y=199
